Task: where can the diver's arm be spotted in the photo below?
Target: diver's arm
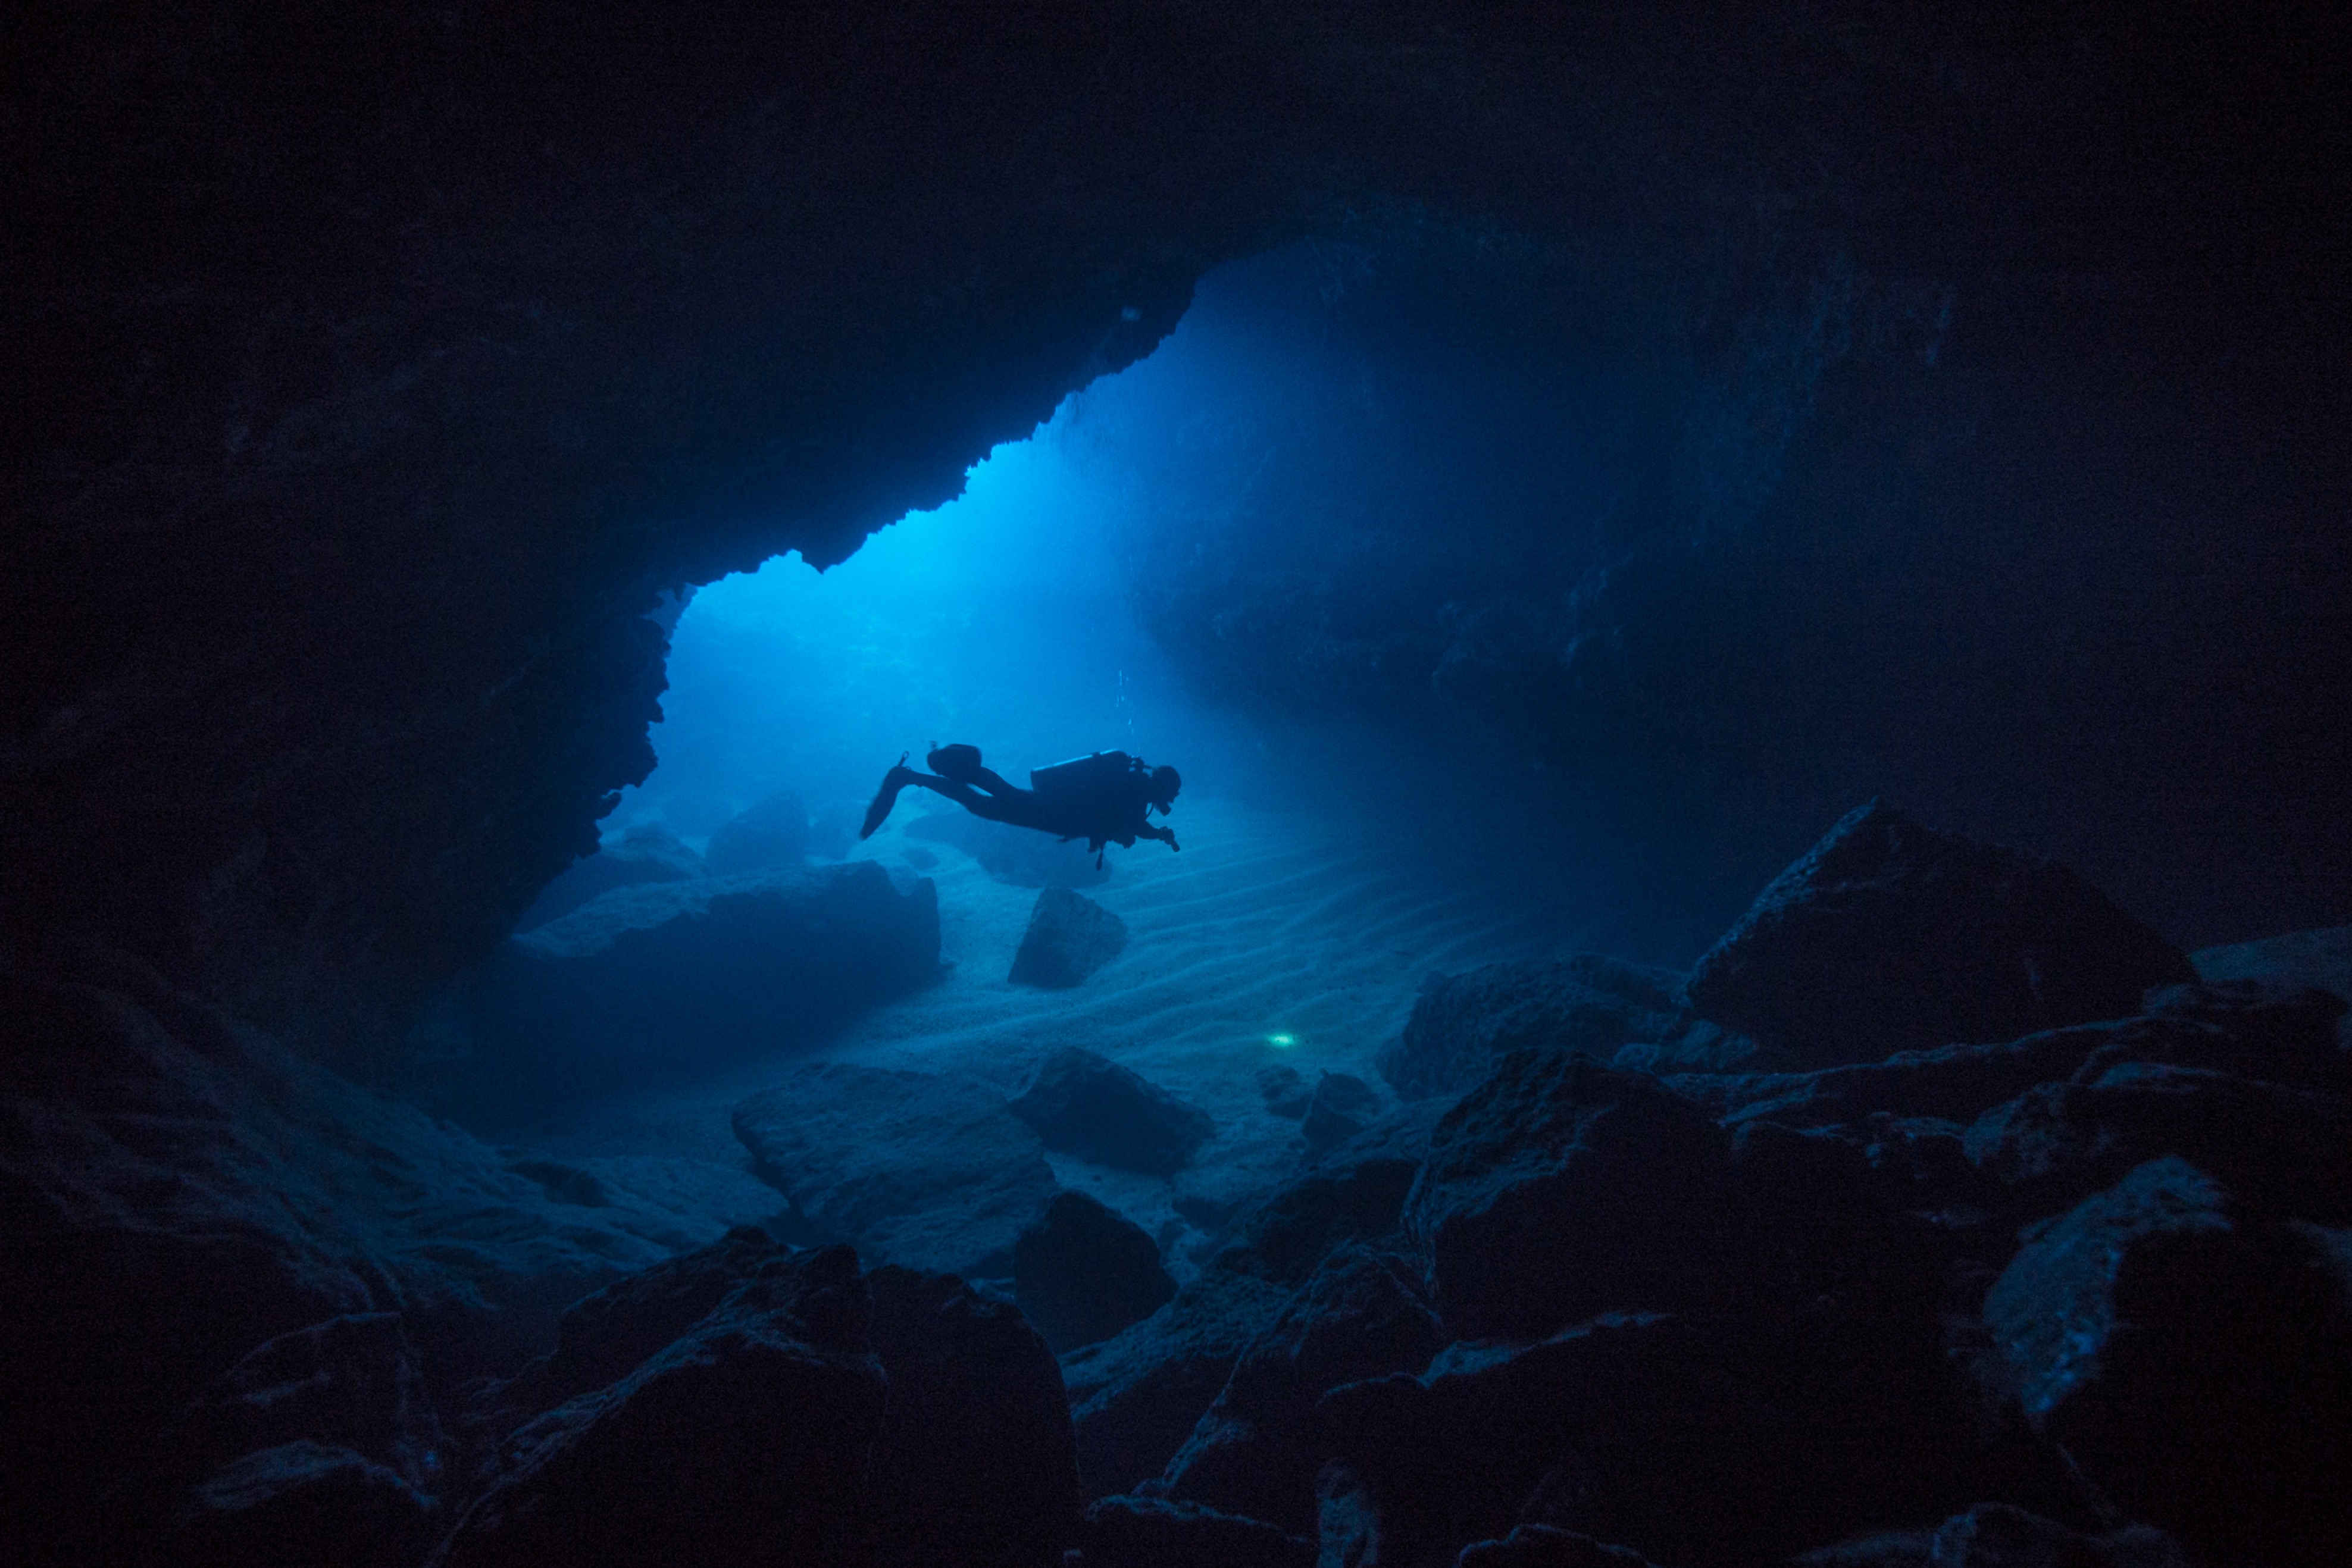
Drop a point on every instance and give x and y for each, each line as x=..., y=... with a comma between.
x=1165, y=835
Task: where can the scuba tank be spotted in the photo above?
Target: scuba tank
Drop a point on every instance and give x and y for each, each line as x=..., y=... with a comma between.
x=1082, y=775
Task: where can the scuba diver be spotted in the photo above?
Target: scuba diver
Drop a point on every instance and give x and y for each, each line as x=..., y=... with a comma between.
x=1103, y=798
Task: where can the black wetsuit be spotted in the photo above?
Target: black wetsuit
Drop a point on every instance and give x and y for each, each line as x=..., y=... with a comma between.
x=1108, y=805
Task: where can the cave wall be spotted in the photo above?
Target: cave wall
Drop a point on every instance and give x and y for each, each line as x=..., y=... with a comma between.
x=380, y=366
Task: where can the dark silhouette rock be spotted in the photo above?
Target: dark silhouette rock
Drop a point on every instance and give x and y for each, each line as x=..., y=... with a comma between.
x=743, y=1441
x=1136, y=1397
x=1559, y=1188
x=773, y=832
x=1687, y=1440
x=659, y=979
x=1090, y=1107
x=917, y=1168
x=1363, y=1314
x=319, y=1445
x=1069, y=938
x=1998, y=1535
x=642, y=855
x=300, y=1502
x=2318, y=961
x=1356, y=1192
x=2196, y=1365
x=1463, y=1024
x=2280, y=1149
x=1082, y=1272
x=1541, y=1546
x=1888, y=935
x=1286, y=1095
x=975, y=1463
x=183, y=1191
x=1341, y=1107
x=1153, y=1533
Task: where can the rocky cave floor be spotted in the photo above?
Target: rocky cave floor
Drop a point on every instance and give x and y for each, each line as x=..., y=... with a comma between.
x=1305, y=1204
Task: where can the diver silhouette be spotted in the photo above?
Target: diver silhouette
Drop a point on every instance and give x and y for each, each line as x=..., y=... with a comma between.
x=1104, y=797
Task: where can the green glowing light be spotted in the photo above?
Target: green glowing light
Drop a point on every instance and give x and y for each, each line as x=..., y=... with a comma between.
x=1282, y=1040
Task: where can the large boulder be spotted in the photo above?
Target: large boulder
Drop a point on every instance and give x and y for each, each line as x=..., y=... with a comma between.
x=179, y=1191
x=2000, y=1535
x=1069, y=938
x=2195, y=1364
x=320, y=1444
x=1889, y=935
x=1363, y=1314
x=923, y=1169
x=743, y=1441
x=1561, y=1189
x=1343, y=1106
x=1090, y=1107
x=1355, y=1192
x=2318, y=959
x=975, y=1464
x=643, y=855
x=1462, y=1024
x=1686, y=1440
x=1082, y=1272
x=1153, y=1533
x=773, y=832
x=1136, y=1397
x=664, y=978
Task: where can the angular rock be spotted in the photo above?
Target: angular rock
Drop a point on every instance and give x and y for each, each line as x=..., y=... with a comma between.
x=1136, y=1395
x=745, y=1441
x=641, y=855
x=1356, y=1192
x=2279, y=1150
x=1152, y=1533
x=2320, y=960
x=1888, y=935
x=301, y=1502
x=1463, y=1024
x=1561, y=1189
x=917, y=1168
x=976, y=1463
x=1343, y=1106
x=1082, y=1272
x=1997, y=1535
x=179, y=1191
x=2198, y=1369
x=1286, y=1095
x=773, y=832
x=1090, y=1107
x=1541, y=1546
x=659, y=979
x=1069, y=938
x=1685, y=1440
x=1363, y=1314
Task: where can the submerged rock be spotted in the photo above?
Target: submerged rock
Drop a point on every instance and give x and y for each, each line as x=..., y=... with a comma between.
x=1286, y=1095
x=1362, y=1314
x=647, y=980
x=975, y=1465
x=2196, y=1365
x=1069, y=938
x=1136, y=1397
x=1082, y=1272
x=773, y=832
x=745, y=1440
x=1090, y=1107
x=918, y=1168
x=1343, y=1106
x=1997, y=1535
x=1462, y=1025
x=641, y=855
x=1888, y=935
x=1561, y=1189
x=1153, y=1533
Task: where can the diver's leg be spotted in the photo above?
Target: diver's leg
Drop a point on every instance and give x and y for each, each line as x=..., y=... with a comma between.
x=878, y=811
x=988, y=779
